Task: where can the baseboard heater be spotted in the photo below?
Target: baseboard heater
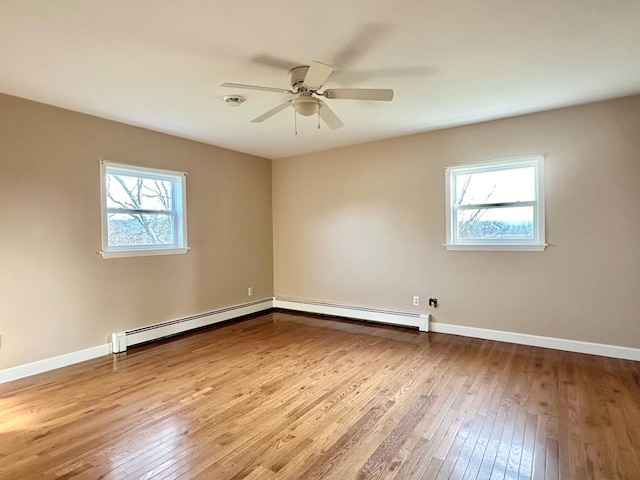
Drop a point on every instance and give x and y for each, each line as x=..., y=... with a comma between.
x=405, y=319
x=121, y=340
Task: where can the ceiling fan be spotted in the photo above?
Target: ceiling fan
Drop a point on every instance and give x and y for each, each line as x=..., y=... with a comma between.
x=306, y=82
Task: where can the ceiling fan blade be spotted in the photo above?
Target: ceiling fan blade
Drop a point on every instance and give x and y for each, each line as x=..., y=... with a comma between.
x=329, y=117
x=271, y=112
x=383, y=94
x=317, y=74
x=256, y=87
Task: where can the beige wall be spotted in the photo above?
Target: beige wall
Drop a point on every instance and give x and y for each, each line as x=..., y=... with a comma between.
x=360, y=226
x=365, y=226
x=57, y=295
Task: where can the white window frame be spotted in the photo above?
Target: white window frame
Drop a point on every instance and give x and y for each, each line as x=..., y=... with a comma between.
x=179, y=211
x=537, y=243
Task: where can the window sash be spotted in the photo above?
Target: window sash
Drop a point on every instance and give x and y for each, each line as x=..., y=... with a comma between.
x=175, y=224
x=487, y=206
x=141, y=211
x=509, y=239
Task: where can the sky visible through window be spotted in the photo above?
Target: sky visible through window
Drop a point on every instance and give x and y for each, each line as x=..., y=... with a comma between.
x=138, y=193
x=510, y=185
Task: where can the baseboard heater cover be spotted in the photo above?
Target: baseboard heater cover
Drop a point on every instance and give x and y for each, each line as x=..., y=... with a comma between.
x=120, y=341
x=404, y=319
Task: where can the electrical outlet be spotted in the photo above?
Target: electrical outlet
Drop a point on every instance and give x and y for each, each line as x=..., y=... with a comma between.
x=250, y=291
x=433, y=302
x=416, y=301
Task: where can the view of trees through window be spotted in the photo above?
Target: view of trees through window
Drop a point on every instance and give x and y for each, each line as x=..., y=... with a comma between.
x=139, y=210
x=488, y=203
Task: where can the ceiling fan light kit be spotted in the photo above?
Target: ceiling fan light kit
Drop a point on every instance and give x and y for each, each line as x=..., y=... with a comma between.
x=306, y=105
x=306, y=82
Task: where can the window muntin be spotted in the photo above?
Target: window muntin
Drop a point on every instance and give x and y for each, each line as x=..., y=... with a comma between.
x=143, y=211
x=496, y=205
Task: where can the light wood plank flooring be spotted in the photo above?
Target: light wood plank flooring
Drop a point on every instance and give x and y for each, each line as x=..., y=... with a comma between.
x=292, y=396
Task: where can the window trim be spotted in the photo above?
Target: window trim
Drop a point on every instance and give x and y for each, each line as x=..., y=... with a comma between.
x=181, y=245
x=535, y=244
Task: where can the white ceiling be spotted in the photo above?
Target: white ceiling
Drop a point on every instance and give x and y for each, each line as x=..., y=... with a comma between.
x=159, y=63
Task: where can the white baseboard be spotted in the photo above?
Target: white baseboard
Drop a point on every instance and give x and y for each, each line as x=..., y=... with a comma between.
x=41, y=366
x=420, y=321
x=140, y=335
x=121, y=340
x=614, y=351
x=405, y=319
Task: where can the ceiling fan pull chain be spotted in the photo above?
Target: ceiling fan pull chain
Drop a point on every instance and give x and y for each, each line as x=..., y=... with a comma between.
x=319, y=107
x=295, y=122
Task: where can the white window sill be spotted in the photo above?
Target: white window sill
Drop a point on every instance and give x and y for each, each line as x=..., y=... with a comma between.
x=144, y=253
x=499, y=247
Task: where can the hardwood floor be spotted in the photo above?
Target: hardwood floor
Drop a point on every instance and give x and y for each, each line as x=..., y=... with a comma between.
x=288, y=396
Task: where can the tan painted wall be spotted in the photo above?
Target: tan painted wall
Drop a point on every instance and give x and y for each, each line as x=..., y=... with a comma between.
x=365, y=226
x=57, y=295
x=360, y=226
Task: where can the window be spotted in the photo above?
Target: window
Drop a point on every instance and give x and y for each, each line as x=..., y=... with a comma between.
x=144, y=211
x=496, y=205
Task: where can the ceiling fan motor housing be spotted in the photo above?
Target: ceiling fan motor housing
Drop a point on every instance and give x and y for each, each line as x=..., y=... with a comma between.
x=296, y=77
x=306, y=104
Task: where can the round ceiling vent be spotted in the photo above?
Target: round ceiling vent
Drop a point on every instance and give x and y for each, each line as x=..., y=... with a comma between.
x=234, y=100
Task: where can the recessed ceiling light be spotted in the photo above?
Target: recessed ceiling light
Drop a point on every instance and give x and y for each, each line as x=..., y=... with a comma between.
x=234, y=100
